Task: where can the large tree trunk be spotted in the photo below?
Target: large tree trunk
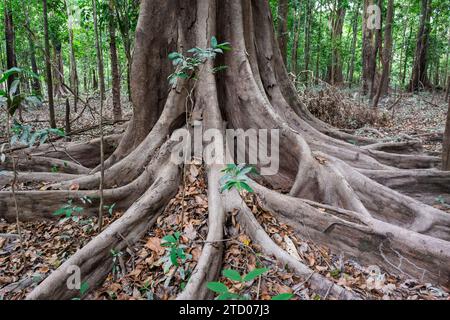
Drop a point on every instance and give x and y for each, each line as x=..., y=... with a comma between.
x=117, y=109
x=353, y=197
x=48, y=67
x=419, y=78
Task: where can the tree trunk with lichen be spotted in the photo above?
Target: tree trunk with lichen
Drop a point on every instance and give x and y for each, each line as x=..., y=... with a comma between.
x=364, y=198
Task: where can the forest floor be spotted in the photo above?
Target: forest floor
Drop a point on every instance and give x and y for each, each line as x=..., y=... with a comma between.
x=144, y=270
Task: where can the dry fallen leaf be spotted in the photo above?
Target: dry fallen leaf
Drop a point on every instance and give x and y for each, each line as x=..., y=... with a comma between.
x=154, y=244
x=291, y=249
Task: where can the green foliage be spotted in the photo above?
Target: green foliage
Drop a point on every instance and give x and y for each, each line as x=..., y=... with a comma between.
x=235, y=176
x=26, y=134
x=68, y=211
x=175, y=256
x=84, y=287
x=224, y=293
x=12, y=98
x=110, y=208
x=175, y=250
x=283, y=296
x=188, y=66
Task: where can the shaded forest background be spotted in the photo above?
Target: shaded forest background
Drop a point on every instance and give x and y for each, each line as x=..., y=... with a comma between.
x=320, y=40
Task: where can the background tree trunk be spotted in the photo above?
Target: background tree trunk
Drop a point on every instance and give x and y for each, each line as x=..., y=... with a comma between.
x=307, y=55
x=74, y=83
x=10, y=41
x=36, y=85
x=283, y=36
x=446, y=143
x=351, y=69
x=296, y=32
x=387, y=54
x=117, y=109
x=98, y=47
x=335, y=67
x=48, y=67
x=419, y=72
x=368, y=51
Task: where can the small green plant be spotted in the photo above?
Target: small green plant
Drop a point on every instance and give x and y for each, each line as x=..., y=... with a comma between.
x=116, y=256
x=224, y=293
x=86, y=200
x=187, y=66
x=55, y=168
x=68, y=211
x=12, y=98
x=26, y=134
x=440, y=199
x=110, y=209
x=83, y=289
x=175, y=250
x=235, y=176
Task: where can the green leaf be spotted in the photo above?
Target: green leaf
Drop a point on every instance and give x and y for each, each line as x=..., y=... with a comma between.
x=175, y=55
x=173, y=257
x=255, y=273
x=170, y=238
x=13, y=89
x=232, y=275
x=228, y=296
x=214, y=42
x=84, y=288
x=283, y=296
x=61, y=211
x=217, y=287
x=245, y=186
x=9, y=73
x=226, y=46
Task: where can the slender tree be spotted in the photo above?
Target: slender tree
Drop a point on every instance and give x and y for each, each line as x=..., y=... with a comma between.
x=351, y=69
x=48, y=67
x=387, y=54
x=307, y=54
x=117, y=109
x=419, y=72
x=446, y=143
x=283, y=36
x=368, y=46
x=98, y=47
x=337, y=22
x=74, y=82
x=9, y=40
x=295, y=42
x=36, y=85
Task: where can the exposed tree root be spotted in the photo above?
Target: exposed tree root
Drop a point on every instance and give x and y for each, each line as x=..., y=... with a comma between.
x=95, y=260
x=348, y=202
x=317, y=282
x=369, y=240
